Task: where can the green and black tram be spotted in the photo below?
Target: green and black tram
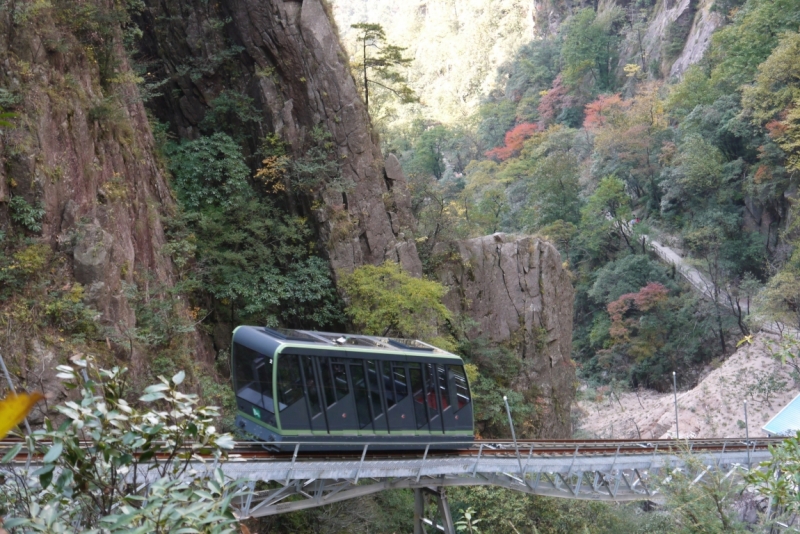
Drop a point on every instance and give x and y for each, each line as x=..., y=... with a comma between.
x=303, y=386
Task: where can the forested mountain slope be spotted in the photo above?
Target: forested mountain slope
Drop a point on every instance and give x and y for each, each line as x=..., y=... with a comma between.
x=588, y=141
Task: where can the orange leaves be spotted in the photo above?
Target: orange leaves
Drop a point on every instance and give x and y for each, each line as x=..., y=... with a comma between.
x=14, y=408
x=645, y=300
x=606, y=109
x=515, y=138
x=272, y=172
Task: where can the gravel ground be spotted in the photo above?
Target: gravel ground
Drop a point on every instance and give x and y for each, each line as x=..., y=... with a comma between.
x=714, y=408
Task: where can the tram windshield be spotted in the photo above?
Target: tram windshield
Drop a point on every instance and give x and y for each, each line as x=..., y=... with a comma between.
x=253, y=377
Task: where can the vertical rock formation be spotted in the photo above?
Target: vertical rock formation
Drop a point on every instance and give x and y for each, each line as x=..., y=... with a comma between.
x=520, y=296
x=82, y=150
x=704, y=23
x=677, y=35
x=286, y=56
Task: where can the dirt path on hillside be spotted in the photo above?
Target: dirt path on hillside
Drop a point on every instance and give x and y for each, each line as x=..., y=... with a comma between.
x=714, y=408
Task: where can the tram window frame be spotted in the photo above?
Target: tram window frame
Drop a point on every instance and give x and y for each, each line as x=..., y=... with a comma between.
x=454, y=372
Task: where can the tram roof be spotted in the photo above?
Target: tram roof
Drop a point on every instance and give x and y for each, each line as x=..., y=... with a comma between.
x=353, y=341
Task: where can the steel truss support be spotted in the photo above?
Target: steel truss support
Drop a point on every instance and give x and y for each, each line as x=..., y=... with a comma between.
x=442, y=520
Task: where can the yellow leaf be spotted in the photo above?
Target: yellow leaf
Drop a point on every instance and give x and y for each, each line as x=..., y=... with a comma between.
x=14, y=408
x=745, y=339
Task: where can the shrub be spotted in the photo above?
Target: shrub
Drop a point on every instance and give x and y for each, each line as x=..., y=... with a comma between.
x=208, y=171
x=27, y=216
x=95, y=462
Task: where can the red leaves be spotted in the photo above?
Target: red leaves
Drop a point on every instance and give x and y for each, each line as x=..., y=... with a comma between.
x=776, y=128
x=553, y=101
x=645, y=300
x=514, y=141
x=606, y=109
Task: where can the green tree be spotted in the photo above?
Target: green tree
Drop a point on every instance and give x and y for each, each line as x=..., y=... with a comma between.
x=96, y=463
x=605, y=217
x=208, y=171
x=379, y=62
x=544, y=181
x=777, y=480
x=775, y=96
x=590, y=48
x=429, y=151
x=387, y=301
x=700, y=500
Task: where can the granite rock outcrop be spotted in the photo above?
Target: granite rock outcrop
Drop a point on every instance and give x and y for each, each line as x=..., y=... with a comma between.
x=285, y=55
x=519, y=295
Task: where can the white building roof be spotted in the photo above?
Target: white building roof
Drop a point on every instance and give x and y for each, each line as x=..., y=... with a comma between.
x=786, y=422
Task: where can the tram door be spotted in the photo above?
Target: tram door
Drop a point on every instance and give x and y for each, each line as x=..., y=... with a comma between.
x=445, y=398
x=340, y=406
x=399, y=401
x=432, y=398
x=313, y=393
x=368, y=394
x=418, y=392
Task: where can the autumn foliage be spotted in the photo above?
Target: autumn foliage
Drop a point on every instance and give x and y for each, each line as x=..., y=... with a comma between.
x=645, y=300
x=607, y=109
x=514, y=141
x=553, y=101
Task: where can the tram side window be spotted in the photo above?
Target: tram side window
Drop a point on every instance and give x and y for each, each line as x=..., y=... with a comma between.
x=311, y=385
x=253, y=376
x=340, y=377
x=361, y=395
x=290, y=383
x=415, y=373
x=400, y=380
x=441, y=386
x=459, y=390
x=430, y=387
x=327, y=381
x=388, y=387
x=374, y=389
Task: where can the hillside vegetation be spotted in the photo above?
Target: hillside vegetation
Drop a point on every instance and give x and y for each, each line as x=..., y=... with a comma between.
x=582, y=140
x=173, y=168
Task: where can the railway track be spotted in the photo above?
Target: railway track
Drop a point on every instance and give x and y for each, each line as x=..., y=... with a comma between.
x=246, y=450
x=609, y=470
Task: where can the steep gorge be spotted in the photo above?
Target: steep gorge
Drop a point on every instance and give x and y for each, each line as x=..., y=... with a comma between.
x=81, y=151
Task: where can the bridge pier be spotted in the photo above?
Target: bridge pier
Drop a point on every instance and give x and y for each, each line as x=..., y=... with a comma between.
x=442, y=514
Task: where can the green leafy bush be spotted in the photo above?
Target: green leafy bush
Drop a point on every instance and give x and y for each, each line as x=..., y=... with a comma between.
x=94, y=463
x=208, y=171
x=27, y=216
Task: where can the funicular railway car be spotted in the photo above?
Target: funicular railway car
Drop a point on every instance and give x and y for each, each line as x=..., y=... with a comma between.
x=317, y=387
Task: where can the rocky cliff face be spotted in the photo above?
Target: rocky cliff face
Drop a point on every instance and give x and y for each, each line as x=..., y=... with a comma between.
x=285, y=55
x=703, y=24
x=677, y=35
x=81, y=149
x=519, y=295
